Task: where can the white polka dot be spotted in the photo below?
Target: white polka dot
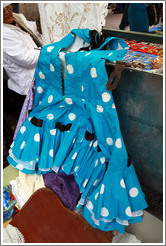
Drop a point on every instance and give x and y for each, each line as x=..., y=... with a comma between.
x=85, y=183
x=82, y=88
x=51, y=152
x=95, y=220
x=52, y=69
x=50, y=116
x=96, y=163
x=118, y=143
x=30, y=118
x=23, y=129
x=41, y=75
x=95, y=182
x=122, y=183
x=128, y=211
x=40, y=102
x=12, y=145
x=72, y=116
x=89, y=205
x=74, y=140
x=74, y=156
x=96, y=196
x=50, y=98
x=22, y=145
x=39, y=89
x=113, y=105
x=91, y=142
x=61, y=106
x=102, y=160
x=95, y=143
x=76, y=169
x=20, y=167
x=37, y=137
x=72, y=35
x=99, y=108
x=110, y=54
x=49, y=49
x=109, y=141
x=93, y=72
x=31, y=162
x=102, y=189
x=53, y=132
x=70, y=69
x=104, y=212
x=133, y=192
x=106, y=97
x=81, y=140
x=83, y=100
x=88, y=54
x=68, y=100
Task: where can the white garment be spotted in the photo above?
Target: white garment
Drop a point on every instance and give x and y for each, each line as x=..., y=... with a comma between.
x=25, y=185
x=124, y=238
x=11, y=234
x=19, y=56
x=58, y=19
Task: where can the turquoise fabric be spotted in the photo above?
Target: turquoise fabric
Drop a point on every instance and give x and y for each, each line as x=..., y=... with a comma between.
x=77, y=132
x=138, y=17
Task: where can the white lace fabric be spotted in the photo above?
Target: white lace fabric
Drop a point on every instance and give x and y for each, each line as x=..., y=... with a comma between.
x=12, y=234
x=58, y=19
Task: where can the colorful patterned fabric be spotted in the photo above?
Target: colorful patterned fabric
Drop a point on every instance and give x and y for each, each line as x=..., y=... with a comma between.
x=74, y=129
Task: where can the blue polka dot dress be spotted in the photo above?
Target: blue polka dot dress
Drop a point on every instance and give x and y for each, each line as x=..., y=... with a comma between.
x=74, y=129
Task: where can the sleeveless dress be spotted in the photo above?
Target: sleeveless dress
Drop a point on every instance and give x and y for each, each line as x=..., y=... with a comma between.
x=74, y=129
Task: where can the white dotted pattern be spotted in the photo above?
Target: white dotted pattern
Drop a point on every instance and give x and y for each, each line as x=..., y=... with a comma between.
x=50, y=116
x=122, y=183
x=89, y=205
x=106, y=97
x=102, y=160
x=104, y=212
x=39, y=89
x=70, y=69
x=49, y=49
x=76, y=169
x=128, y=211
x=96, y=163
x=53, y=132
x=102, y=189
x=82, y=88
x=85, y=183
x=74, y=156
x=50, y=98
x=133, y=192
x=23, y=129
x=96, y=196
x=68, y=100
x=52, y=69
x=118, y=143
x=95, y=143
x=22, y=145
x=95, y=182
x=51, y=152
x=99, y=108
x=72, y=116
x=37, y=137
x=93, y=72
x=41, y=75
x=109, y=141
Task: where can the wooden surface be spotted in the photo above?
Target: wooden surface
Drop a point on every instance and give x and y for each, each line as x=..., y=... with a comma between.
x=44, y=219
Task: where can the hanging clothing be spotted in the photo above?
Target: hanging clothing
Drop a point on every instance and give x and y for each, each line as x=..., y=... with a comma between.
x=58, y=19
x=74, y=129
